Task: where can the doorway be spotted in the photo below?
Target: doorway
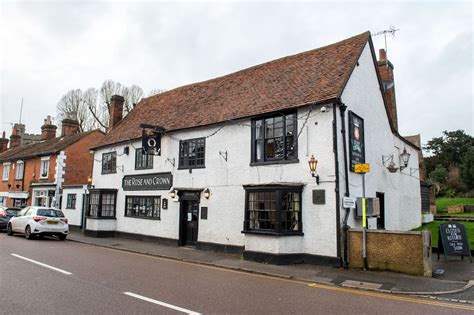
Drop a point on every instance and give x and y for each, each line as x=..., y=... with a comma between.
x=189, y=218
x=381, y=217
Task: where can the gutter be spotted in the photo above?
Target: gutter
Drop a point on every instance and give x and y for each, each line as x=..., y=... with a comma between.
x=336, y=189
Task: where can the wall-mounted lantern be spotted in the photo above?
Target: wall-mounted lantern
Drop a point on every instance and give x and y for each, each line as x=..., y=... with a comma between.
x=207, y=193
x=313, y=164
x=404, y=158
x=173, y=194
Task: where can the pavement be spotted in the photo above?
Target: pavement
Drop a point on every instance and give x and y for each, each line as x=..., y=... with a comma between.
x=455, y=285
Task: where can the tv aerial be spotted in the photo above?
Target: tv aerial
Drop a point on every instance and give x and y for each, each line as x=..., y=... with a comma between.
x=391, y=31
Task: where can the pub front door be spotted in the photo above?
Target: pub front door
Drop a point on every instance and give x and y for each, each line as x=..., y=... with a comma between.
x=189, y=218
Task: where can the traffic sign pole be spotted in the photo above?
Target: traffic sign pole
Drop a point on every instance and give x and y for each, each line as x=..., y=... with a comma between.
x=364, y=224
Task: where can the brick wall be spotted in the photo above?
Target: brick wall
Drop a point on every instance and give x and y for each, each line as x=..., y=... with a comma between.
x=79, y=159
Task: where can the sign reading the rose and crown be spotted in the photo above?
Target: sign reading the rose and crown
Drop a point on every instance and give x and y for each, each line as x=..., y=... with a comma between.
x=155, y=181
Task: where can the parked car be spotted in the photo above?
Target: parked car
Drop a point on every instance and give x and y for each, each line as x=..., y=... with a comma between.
x=39, y=221
x=6, y=214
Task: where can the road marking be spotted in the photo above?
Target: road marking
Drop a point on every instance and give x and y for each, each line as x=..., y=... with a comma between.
x=44, y=265
x=310, y=284
x=176, y=308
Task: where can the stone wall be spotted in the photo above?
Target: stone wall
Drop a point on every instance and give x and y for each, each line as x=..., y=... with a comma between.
x=405, y=252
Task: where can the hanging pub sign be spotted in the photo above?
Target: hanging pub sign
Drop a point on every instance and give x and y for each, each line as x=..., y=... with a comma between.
x=155, y=181
x=151, y=139
x=356, y=140
x=452, y=240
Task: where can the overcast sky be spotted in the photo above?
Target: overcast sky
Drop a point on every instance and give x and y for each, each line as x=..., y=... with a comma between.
x=50, y=47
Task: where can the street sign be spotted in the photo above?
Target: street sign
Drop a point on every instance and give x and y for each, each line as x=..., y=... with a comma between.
x=349, y=202
x=362, y=168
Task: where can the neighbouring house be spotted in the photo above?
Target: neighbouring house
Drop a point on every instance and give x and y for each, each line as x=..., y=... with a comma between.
x=39, y=173
x=25, y=138
x=233, y=172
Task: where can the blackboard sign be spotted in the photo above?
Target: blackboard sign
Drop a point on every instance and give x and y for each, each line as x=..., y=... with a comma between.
x=452, y=240
x=356, y=140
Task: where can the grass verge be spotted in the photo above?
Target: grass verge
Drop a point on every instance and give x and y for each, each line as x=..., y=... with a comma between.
x=442, y=203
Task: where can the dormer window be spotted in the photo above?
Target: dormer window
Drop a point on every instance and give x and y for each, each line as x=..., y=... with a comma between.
x=44, y=167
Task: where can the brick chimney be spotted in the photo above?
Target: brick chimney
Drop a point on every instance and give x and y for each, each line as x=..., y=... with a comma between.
x=386, y=74
x=69, y=127
x=48, y=130
x=15, y=138
x=3, y=143
x=116, y=110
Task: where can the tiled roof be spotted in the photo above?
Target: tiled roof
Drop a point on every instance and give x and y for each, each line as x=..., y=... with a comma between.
x=306, y=78
x=43, y=148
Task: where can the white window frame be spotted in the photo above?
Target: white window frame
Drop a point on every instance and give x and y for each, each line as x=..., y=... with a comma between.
x=42, y=163
x=20, y=165
x=6, y=175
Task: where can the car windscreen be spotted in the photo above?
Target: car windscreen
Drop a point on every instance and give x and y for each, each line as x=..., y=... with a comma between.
x=50, y=213
x=12, y=212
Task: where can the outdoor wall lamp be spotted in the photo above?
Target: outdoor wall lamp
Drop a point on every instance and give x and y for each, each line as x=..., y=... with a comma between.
x=207, y=193
x=404, y=157
x=313, y=164
x=173, y=193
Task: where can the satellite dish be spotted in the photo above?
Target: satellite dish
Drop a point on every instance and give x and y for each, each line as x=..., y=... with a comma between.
x=388, y=84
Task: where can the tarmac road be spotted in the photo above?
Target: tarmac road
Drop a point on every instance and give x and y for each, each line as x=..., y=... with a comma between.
x=47, y=276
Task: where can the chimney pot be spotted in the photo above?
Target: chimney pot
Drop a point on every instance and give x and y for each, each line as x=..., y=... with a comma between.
x=116, y=110
x=48, y=130
x=69, y=127
x=382, y=55
x=3, y=143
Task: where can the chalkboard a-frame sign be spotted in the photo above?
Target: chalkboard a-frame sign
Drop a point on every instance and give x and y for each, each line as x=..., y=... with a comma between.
x=452, y=240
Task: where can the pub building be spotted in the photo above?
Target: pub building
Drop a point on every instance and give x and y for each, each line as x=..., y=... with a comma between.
x=229, y=169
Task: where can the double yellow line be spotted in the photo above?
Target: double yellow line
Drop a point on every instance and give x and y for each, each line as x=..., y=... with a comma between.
x=312, y=284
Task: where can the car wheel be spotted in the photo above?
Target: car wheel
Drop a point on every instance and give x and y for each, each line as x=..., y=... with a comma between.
x=9, y=229
x=62, y=237
x=28, y=234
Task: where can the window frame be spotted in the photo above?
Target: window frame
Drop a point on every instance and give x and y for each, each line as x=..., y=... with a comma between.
x=148, y=161
x=6, y=165
x=253, y=147
x=279, y=190
x=19, y=176
x=113, y=160
x=44, y=161
x=183, y=164
x=127, y=197
x=71, y=200
x=100, y=193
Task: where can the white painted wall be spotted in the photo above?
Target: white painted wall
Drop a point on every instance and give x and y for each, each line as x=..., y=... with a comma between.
x=226, y=180
x=74, y=216
x=402, y=189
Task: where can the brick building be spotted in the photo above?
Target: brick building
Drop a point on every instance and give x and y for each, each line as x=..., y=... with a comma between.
x=34, y=174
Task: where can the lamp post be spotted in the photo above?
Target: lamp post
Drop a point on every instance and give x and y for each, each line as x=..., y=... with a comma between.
x=313, y=164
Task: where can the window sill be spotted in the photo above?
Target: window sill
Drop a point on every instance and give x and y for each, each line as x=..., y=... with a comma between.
x=191, y=168
x=109, y=173
x=101, y=218
x=270, y=233
x=274, y=162
x=143, y=168
x=146, y=218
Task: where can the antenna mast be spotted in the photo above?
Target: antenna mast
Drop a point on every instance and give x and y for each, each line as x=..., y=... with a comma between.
x=390, y=31
x=21, y=110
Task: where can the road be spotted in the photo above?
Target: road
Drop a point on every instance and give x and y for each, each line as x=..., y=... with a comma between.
x=48, y=276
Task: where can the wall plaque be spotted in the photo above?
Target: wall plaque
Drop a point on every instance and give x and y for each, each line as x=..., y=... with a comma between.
x=164, y=203
x=319, y=196
x=155, y=181
x=203, y=213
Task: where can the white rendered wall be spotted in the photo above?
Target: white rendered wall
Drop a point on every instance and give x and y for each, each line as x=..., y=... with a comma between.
x=74, y=216
x=226, y=180
x=402, y=189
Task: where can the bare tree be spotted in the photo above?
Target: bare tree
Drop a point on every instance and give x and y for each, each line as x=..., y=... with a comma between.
x=132, y=96
x=72, y=106
x=155, y=92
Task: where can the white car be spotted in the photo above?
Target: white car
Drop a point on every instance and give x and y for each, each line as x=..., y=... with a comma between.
x=39, y=221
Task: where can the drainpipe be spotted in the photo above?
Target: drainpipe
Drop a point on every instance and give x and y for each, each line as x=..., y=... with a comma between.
x=336, y=167
x=345, y=227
